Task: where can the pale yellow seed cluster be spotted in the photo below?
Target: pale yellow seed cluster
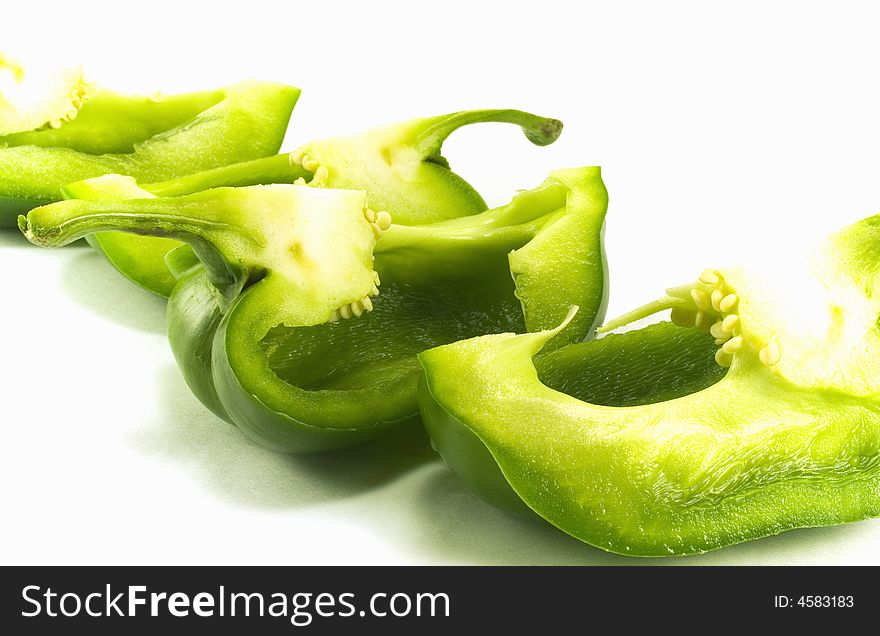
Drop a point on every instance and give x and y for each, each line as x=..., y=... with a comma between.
x=320, y=173
x=78, y=96
x=378, y=221
x=772, y=353
x=358, y=307
x=715, y=305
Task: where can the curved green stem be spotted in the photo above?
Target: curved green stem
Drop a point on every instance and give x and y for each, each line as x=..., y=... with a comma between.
x=61, y=223
x=288, y=233
x=205, y=221
x=540, y=131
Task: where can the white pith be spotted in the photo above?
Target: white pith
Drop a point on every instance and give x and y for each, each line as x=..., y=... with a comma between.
x=39, y=97
x=379, y=221
x=308, y=251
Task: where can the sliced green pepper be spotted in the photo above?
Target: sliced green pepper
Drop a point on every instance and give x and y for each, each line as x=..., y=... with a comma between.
x=788, y=438
x=141, y=259
x=299, y=385
x=153, y=139
x=150, y=138
x=399, y=165
x=656, y=363
x=280, y=254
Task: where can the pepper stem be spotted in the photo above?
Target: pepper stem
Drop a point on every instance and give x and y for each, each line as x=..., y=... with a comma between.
x=541, y=131
x=208, y=221
x=314, y=244
x=64, y=222
x=649, y=309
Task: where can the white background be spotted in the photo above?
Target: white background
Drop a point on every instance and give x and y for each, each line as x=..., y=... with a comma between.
x=723, y=131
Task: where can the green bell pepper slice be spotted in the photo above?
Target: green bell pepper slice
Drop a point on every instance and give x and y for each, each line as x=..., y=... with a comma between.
x=141, y=259
x=402, y=167
x=656, y=363
x=310, y=385
x=152, y=139
x=788, y=438
x=399, y=165
x=76, y=131
x=297, y=254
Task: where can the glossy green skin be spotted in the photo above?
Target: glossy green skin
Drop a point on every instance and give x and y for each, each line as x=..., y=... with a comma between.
x=656, y=363
x=198, y=331
x=749, y=456
x=323, y=387
x=194, y=314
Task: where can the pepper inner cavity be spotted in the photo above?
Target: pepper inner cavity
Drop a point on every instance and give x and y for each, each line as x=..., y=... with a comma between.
x=657, y=363
x=378, y=348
